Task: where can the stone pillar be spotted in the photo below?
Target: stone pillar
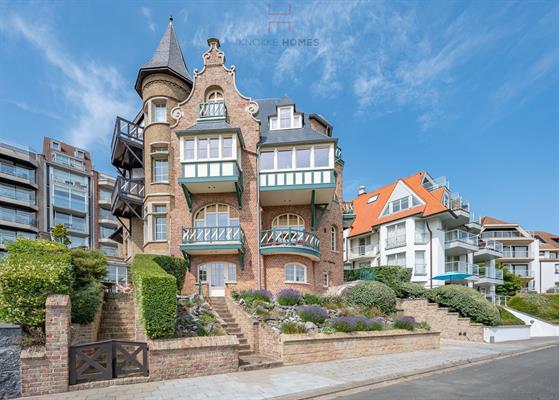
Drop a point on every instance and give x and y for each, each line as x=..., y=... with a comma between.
x=57, y=332
x=10, y=377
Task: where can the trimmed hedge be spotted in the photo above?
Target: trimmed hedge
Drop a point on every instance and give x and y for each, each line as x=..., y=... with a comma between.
x=466, y=301
x=174, y=266
x=373, y=294
x=156, y=292
x=86, y=302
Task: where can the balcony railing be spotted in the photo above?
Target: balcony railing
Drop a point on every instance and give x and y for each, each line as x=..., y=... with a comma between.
x=461, y=267
x=27, y=196
x=10, y=237
x=18, y=217
x=68, y=161
x=441, y=181
x=128, y=130
x=200, y=170
x=289, y=238
x=347, y=207
x=396, y=241
x=490, y=274
x=501, y=234
x=212, y=110
x=288, y=179
x=458, y=204
x=127, y=187
x=363, y=250
x=214, y=234
x=507, y=253
x=491, y=245
x=338, y=154
x=17, y=171
x=421, y=237
x=459, y=235
x=521, y=272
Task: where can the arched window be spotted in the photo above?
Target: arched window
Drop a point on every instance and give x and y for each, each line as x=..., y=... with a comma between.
x=217, y=222
x=214, y=95
x=295, y=273
x=333, y=237
x=288, y=221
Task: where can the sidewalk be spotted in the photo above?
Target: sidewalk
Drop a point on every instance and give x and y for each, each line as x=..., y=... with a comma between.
x=301, y=381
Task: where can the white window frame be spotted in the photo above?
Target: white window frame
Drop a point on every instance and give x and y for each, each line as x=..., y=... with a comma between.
x=229, y=271
x=294, y=149
x=295, y=266
x=325, y=279
x=333, y=239
x=203, y=268
x=154, y=216
x=230, y=220
x=397, y=256
x=55, y=145
x=299, y=226
x=296, y=119
x=155, y=178
x=155, y=105
x=217, y=94
x=208, y=137
x=389, y=208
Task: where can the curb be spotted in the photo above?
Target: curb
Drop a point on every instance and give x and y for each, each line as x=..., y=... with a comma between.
x=393, y=378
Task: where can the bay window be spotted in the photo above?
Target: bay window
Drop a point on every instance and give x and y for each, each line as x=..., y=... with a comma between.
x=295, y=158
x=208, y=148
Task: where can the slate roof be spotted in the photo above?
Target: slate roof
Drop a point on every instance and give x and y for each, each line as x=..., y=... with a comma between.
x=167, y=57
x=208, y=127
x=267, y=108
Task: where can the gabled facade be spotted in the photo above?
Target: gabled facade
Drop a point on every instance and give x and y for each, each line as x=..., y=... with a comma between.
x=419, y=223
x=248, y=191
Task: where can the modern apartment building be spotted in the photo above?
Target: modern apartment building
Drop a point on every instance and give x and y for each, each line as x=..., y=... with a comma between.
x=548, y=261
x=20, y=202
x=419, y=223
x=104, y=222
x=248, y=191
x=520, y=249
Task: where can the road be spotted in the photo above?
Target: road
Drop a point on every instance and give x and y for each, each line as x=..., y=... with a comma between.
x=530, y=376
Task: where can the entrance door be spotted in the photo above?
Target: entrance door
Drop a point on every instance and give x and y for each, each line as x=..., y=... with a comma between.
x=217, y=280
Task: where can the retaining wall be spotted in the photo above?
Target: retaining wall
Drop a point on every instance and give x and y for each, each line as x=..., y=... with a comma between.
x=10, y=376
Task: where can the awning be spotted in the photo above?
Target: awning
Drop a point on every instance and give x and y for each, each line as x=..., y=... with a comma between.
x=452, y=276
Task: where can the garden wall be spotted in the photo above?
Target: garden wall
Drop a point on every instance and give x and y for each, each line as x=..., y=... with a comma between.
x=300, y=349
x=195, y=356
x=506, y=333
x=538, y=327
x=10, y=377
x=449, y=324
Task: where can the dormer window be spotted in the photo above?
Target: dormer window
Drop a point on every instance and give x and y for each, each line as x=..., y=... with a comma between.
x=215, y=95
x=80, y=154
x=55, y=146
x=401, y=204
x=286, y=119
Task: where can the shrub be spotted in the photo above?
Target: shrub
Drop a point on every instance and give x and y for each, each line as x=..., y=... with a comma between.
x=288, y=297
x=511, y=284
x=33, y=270
x=292, y=328
x=424, y=325
x=406, y=322
x=507, y=318
x=373, y=294
x=343, y=324
x=545, y=307
x=466, y=301
x=86, y=302
x=332, y=301
x=156, y=294
x=89, y=265
x=411, y=290
x=311, y=299
x=313, y=314
x=371, y=312
x=174, y=266
x=392, y=276
x=250, y=296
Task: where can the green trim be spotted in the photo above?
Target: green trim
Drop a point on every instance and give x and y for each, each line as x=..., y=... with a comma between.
x=215, y=246
x=234, y=178
x=288, y=249
x=348, y=217
x=298, y=187
x=187, y=196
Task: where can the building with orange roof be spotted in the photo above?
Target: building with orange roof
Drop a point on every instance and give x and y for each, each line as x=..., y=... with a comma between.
x=548, y=268
x=419, y=223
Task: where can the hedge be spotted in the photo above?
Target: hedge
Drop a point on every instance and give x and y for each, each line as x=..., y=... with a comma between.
x=174, y=266
x=541, y=306
x=466, y=301
x=156, y=292
x=89, y=265
x=33, y=270
x=373, y=294
x=86, y=301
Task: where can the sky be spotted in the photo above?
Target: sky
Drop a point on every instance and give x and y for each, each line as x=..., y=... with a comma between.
x=467, y=90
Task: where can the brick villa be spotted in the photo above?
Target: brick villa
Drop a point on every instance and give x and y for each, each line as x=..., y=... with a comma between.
x=249, y=191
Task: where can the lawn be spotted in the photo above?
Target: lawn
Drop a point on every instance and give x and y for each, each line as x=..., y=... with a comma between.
x=507, y=318
x=541, y=306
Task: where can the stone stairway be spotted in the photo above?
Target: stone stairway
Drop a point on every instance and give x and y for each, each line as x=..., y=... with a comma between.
x=117, y=320
x=248, y=359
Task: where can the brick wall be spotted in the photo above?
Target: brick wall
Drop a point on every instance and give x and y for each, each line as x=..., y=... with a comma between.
x=87, y=333
x=269, y=342
x=118, y=320
x=246, y=323
x=449, y=324
x=44, y=369
x=196, y=356
x=300, y=349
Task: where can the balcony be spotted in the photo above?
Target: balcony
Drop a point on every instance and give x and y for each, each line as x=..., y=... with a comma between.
x=297, y=187
x=18, y=196
x=16, y=173
x=338, y=155
x=18, y=219
x=516, y=255
x=461, y=267
x=507, y=236
x=219, y=176
x=290, y=241
x=348, y=214
x=212, y=110
x=128, y=145
x=492, y=276
x=213, y=240
x=128, y=198
x=488, y=250
x=522, y=272
x=361, y=252
x=396, y=241
x=458, y=242
x=437, y=183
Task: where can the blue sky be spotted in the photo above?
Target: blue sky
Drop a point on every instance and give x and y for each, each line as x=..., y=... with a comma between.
x=469, y=90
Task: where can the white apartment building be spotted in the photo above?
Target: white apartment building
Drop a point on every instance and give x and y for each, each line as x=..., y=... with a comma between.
x=548, y=268
x=419, y=223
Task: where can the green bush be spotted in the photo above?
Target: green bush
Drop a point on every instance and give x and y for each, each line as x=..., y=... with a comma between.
x=466, y=301
x=393, y=276
x=156, y=292
x=174, y=266
x=507, y=318
x=292, y=328
x=545, y=307
x=86, y=302
x=88, y=265
x=33, y=270
x=511, y=283
x=373, y=294
x=311, y=299
x=332, y=301
x=411, y=290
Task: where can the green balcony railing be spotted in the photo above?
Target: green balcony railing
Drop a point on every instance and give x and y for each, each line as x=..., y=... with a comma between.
x=210, y=170
x=295, y=238
x=212, y=110
x=213, y=234
x=295, y=179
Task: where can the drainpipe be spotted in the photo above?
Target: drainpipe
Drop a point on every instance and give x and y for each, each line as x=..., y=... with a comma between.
x=259, y=278
x=540, y=275
x=430, y=254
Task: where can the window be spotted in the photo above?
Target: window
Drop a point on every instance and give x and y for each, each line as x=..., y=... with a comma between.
x=288, y=221
x=159, y=112
x=396, y=259
x=205, y=148
x=160, y=170
x=69, y=178
x=285, y=159
x=19, y=216
x=70, y=198
x=202, y=274
x=55, y=145
x=231, y=272
x=110, y=251
x=78, y=241
x=302, y=158
x=105, y=195
x=396, y=235
x=309, y=157
x=118, y=275
x=79, y=154
x=17, y=193
x=69, y=161
x=104, y=232
x=372, y=199
x=286, y=119
x=400, y=205
x=557, y=268
x=72, y=222
x=189, y=149
x=365, y=264
x=295, y=273
x=267, y=160
x=321, y=156
x=214, y=95
x=227, y=149
x=420, y=266
x=420, y=232
x=325, y=279
x=216, y=215
x=542, y=253
x=333, y=244
x=159, y=222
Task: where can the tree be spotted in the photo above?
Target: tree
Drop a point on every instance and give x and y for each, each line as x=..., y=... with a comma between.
x=511, y=285
x=60, y=234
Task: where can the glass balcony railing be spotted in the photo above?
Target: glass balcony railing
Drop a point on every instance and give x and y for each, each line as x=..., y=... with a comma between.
x=459, y=235
x=459, y=204
x=212, y=110
x=11, y=236
x=395, y=241
x=501, y=235
x=19, y=194
x=508, y=253
x=521, y=271
x=490, y=273
x=441, y=181
x=364, y=250
x=491, y=245
x=461, y=267
x=68, y=161
x=18, y=217
x=17, y=171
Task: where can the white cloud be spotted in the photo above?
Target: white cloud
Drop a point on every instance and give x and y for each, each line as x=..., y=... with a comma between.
x=146, y=12
x=22, y=105
x=94, y=93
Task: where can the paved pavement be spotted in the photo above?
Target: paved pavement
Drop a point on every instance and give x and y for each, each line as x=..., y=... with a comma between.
x=533, y=376
x=305, y=381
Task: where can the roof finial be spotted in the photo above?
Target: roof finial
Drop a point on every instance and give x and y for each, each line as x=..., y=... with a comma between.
x=170, y=19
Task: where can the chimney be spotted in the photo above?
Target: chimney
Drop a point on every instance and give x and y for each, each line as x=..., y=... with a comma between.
x=361, y=190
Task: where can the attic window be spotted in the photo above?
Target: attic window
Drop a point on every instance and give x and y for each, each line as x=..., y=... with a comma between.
x=286, y=119
x=401, y=204
x=372, y=199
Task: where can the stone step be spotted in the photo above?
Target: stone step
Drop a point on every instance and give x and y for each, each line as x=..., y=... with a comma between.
x=243, y=353
x=233, y=332
x=253, y=362
x=244, y=347
x=242, y=341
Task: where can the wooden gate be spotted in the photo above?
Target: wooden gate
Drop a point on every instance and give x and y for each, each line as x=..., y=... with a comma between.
x=108, y=360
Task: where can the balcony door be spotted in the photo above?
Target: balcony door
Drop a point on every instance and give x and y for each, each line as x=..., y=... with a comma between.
x=217, y=223
x=216, y=274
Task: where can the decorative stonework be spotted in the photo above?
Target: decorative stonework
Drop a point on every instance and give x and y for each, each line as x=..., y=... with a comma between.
x=213, y=56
